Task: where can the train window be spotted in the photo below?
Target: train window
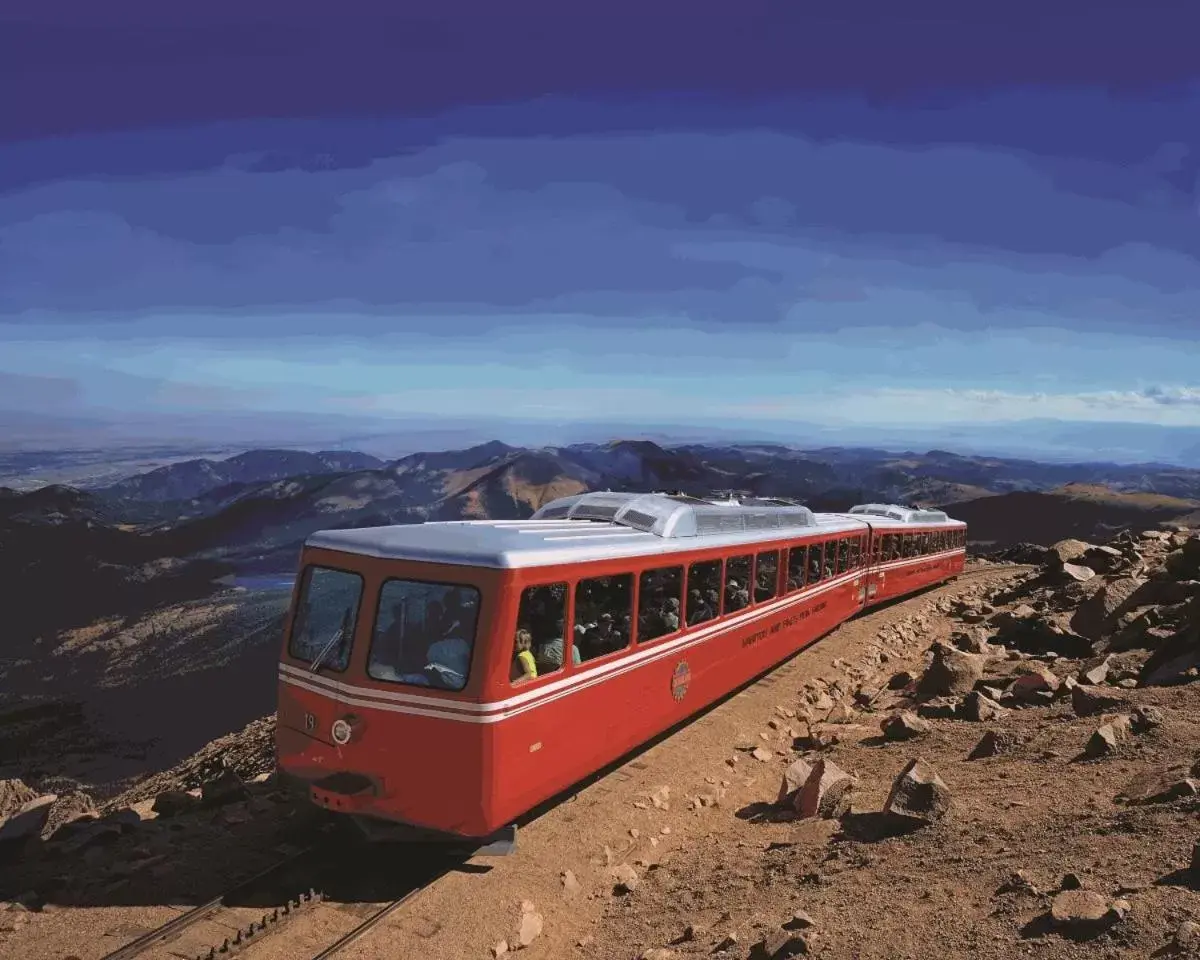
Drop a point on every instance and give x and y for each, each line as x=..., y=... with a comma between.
x=603, y=615
x=543, y=612
x=855, y=553
x=324, y=621
x=424, y=633
x=816, y=568
x=737, y=583
x=659, y=592
x=797, y=567
x=704, y=591
x=897, y=546
x=766, y=576
x=910, y=545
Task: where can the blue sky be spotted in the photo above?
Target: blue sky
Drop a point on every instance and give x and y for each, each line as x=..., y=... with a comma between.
x=798, y=254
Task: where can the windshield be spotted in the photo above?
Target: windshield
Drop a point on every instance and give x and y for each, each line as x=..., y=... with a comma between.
x=424, y=634
x=326, y=614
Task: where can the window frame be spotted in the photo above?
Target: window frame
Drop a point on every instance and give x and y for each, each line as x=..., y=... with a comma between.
x=585, y=663
x=725, y=611
x=754, y=601
x=636, y=623
x=567, y=627
x=302, y=593
x=473, y=640
x=802, y=549
x=719, y=613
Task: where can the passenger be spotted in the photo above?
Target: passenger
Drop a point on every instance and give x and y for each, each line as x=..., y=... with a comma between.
x=448, y=657
x=549, y=656
x=604, y=638
x=670, y=615
x=524, y=667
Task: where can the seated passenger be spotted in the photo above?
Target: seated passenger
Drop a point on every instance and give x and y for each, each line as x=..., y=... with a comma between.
x=549, y=656
x=447, y=662
x=524, y=667
x=670, y=614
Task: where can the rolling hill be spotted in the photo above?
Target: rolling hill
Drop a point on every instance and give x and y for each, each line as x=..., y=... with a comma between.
x=1082, y=511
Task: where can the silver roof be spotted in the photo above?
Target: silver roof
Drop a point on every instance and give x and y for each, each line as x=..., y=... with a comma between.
x=648, y=525
x=902, y=514
x=677, y=515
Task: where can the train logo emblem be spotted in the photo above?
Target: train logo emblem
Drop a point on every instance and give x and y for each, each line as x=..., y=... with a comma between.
x=680, y=680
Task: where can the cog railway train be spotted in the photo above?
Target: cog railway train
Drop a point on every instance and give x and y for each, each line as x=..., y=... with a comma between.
x=439, y=680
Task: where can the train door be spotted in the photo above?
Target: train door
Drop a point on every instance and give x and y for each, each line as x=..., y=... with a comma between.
x=873, y=576
x=860, y=557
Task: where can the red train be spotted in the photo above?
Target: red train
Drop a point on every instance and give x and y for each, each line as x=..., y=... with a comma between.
x=446, y=678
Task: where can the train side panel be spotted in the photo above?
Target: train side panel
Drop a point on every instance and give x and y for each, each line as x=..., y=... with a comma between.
x=625, y=699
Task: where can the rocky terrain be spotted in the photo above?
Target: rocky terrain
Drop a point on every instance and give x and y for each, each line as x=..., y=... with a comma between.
x=1009, y=765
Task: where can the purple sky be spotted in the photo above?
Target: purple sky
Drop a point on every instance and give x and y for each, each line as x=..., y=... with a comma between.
x=88, y=67
x=696, y=212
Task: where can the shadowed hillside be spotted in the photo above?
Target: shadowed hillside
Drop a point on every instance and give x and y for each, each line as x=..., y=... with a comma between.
x=1080, y=511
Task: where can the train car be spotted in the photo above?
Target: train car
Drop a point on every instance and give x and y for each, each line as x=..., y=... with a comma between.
x=442, y=679
x=910, y=548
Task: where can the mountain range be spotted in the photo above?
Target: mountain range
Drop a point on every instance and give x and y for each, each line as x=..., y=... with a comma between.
x=176, y=529
x=252, y=511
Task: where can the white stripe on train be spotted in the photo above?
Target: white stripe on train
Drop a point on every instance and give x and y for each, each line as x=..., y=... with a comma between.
x=416, y=705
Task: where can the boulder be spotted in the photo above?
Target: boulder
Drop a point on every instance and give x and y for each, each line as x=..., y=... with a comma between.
x=1082, y=911
x=1176, y=661
x=1066, y=551
x=1034, y=683
x=226, y=787
x=1095, y=672
x=904, y=726
x=1097, y=615
x=826, y=793
x=27, y=820
x=1077, y=572
x=794, y=777
x=1109, y=737
x=171, y=803
x=625, y=879
x=940, y=708
x=950, y=673
x=979, y=708
x=1146, y=718
x=918, y=793
x=1088, y=701
x=995, y=743
x=780, y=945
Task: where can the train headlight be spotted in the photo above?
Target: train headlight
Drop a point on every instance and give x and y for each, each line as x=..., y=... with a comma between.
x=342, y=732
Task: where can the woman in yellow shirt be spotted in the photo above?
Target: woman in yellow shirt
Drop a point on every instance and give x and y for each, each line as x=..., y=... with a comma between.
x=524, y=667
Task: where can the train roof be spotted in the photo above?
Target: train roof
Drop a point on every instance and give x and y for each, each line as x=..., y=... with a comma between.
x=594, y=526
x=891, y=511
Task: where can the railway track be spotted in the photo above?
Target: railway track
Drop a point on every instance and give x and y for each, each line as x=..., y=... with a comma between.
x=297, y=886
